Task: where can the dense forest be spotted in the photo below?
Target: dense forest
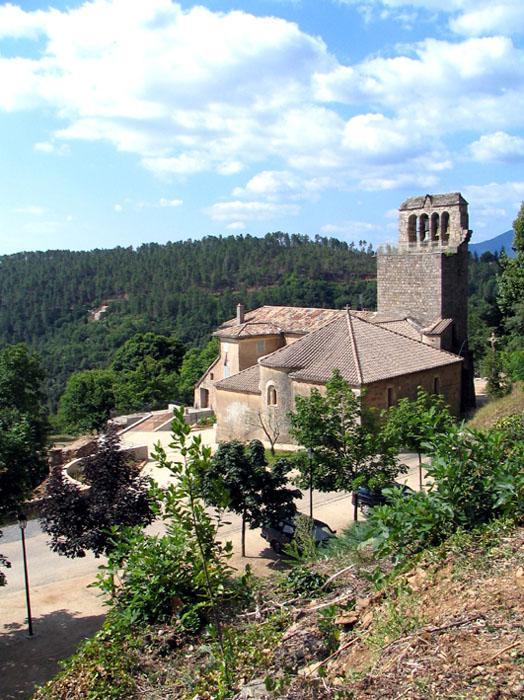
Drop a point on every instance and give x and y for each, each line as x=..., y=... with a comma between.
x=185, y=289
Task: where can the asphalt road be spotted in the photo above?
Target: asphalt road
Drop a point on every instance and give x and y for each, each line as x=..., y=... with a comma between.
x=66, y=610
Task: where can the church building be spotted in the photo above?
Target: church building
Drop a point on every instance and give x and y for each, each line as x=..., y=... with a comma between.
x=417, y=336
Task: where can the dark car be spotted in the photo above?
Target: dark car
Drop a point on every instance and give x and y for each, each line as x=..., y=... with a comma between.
x=365, y=498
x=283, y=532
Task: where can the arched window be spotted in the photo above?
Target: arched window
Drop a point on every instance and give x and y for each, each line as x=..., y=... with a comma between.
x=434, y=226
x=271, y=395
x=423, y=227
x=412, y=228
x=444, y=227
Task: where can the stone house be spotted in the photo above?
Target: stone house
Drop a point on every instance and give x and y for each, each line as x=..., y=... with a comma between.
x=417, y=336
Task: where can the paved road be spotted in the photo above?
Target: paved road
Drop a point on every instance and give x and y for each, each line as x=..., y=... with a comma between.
x=66, y=610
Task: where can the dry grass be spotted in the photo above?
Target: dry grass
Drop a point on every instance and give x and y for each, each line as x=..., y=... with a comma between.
x=488, y=415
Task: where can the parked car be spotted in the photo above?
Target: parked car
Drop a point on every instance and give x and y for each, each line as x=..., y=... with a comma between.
x=283, y=532
x=365, y=498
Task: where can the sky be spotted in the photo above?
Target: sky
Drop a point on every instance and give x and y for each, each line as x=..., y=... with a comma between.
x=124, y=122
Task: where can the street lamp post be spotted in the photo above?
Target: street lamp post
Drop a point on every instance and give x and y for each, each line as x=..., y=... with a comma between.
x=310, y=458
x=22, y=523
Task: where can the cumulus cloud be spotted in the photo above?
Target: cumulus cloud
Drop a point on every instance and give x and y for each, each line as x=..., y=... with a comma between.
x=192, y=91
x=498, y=147
x=493, y=201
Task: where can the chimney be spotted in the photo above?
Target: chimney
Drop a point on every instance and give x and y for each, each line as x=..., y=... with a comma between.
x=240, y=313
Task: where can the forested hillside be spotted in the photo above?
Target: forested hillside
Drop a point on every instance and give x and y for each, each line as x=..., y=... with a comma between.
x=186, y=288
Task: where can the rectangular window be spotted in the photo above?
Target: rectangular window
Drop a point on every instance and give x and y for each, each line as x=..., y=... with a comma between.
x=261, y=347
x=391, y=399
x=436, y=385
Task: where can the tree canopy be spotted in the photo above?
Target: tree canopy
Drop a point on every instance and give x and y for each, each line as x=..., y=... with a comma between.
x=117, y=495
x=345, y=448
x=237, y=479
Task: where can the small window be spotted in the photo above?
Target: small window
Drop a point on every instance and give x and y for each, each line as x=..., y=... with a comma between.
x=261, y=347
x=211, y=375
x=391, y=398
x=436, y=385
x=271, y=396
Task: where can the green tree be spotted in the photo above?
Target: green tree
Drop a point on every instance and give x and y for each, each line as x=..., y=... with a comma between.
x=238, y=479
x=412, y=423
x=183, y=504
x=511, y=286
x=193, y=366
x=346, y=448
x=80, y=521
x=23, y=429
x=87, y=401
x=146, y=369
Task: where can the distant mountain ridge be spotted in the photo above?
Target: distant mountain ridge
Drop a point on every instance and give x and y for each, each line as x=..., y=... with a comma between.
x=495, y=245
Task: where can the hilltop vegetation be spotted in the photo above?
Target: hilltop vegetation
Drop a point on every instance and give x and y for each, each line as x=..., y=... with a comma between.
x=185, y=289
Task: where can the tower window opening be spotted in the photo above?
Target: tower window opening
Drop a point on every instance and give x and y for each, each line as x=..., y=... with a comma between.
x=412, y=228
x=390, y=397
x=444, y=227
x=436, y=385
x=434, y=227
x=423, y=227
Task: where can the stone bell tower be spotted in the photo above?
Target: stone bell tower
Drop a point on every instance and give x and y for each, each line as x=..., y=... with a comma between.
x=426, y=276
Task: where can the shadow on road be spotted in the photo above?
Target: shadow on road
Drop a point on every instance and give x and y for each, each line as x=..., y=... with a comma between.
x=26, y=662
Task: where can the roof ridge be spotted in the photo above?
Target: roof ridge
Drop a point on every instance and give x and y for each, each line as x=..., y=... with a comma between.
x=303, y=338
x=406, y=337
x=354, y=346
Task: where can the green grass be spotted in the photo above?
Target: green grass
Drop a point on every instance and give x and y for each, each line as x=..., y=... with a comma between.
x=271, y=459
x=488, y=415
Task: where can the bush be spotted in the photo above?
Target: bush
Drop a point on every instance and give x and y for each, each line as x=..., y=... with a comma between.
x=477, y=477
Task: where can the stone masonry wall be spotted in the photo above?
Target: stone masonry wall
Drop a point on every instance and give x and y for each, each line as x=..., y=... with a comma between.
x=405, y=386
x=410, y=283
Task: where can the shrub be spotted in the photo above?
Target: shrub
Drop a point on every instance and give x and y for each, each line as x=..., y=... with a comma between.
x=477, y=477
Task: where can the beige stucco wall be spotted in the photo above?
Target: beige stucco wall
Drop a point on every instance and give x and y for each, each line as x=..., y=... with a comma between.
x=249, y=352
x=237, y=416
x=239, y=354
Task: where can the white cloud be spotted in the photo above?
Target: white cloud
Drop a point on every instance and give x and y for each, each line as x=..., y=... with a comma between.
x=275, y=185
x=498, y=146
x=118, y=208
x=494, y=202
x=51, y=148
x=351, y=229
x=252, y=211
x=190, y=91
x=171, y=202
x=469, y=17
x=236, y=226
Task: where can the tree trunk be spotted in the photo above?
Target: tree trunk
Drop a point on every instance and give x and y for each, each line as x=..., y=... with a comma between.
x=421, y=485
x=311, y=492
x=243, y=534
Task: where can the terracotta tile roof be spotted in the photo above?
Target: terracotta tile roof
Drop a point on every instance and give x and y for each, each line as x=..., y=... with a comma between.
x=404, y=327
x=438, y=327
x=437, y=200
x=288, y=319
x=245, y=382
x=363, y=352
x=249, y=329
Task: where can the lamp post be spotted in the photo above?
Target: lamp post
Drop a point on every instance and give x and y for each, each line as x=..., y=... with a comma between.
x=310, y=458
x=22, y=523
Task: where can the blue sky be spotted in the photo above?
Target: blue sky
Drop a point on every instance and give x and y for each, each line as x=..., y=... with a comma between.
x=128, y=121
